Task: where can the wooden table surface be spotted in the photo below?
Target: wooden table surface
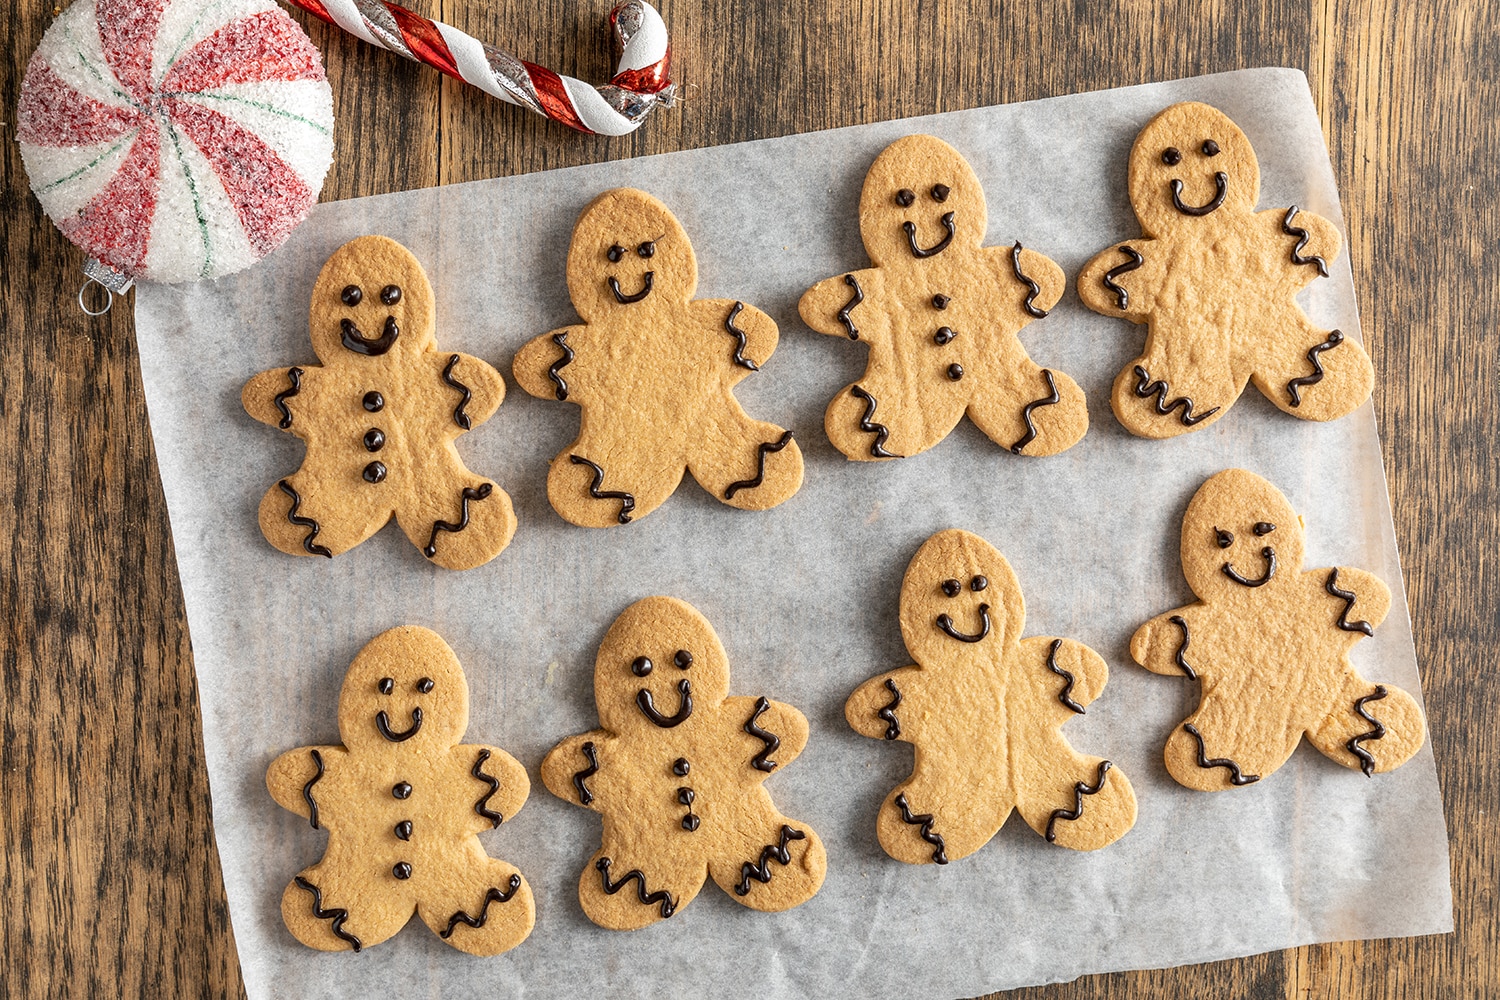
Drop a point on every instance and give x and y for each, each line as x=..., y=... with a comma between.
x=110, y=879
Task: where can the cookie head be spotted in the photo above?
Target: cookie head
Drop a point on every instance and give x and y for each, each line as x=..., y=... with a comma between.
x=660, y=661
x=404, y=689
x=1191, y=162
x=959, y=596
x=1240, y=536
x=920, y=199
x=629, y=254
x=372, y=300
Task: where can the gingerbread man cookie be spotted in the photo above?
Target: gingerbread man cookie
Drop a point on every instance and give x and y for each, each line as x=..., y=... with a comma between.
x=1216, y=283
x=403, y=802
x=983, y=708
x=379, y=417
x=1270, y=645
x=940, y=313
x=654, y=373
x=676, y=771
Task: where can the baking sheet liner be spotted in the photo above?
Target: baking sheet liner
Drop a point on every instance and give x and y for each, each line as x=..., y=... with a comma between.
x=803, y=596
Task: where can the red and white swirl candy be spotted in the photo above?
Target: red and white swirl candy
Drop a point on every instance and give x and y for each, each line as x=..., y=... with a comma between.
x=616, y=108
x=176, y=139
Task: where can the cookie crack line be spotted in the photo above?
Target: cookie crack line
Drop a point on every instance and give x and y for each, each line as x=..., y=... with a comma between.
x=312, y=805
x=888, y=713
x=1182, y=663
x=762, y=761
x=337, y=915
x=294, y=376
x=866, y=424
x=1236, y=777
x=1122, y=295
x=371, y=347
x=469, y=493
x=482, y=805
x=627, y=502
x=383, y=724
x=647, y=280
x=762, y=872
x=936, y=248
x=668, y=904
x=856, y=296
x=460, y=416
x=945, y=623
x=1080, y=789
x=1048, y=400
x=1145, y=387
x=924, y=820
x=1332, y=586
x=1302, y=236
x=1269, y=555
x=1066, y=694
x=1366, y=759
x=1221, y=188
x=684, y=711
x=763, y=449
x=494, y=895
x=1033, y=288
x=304, y=522
x=740, y=338
x=1295, y=386
x=583, y=774
x=556, y=367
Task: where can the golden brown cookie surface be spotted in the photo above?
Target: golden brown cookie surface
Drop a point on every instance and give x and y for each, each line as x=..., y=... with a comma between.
x=1216, y=282
x=1270, y=643
x=379, y=417
x=983, y=709
x=653, y=371
x=940, y=314
x=677, y=771
x=403, y=802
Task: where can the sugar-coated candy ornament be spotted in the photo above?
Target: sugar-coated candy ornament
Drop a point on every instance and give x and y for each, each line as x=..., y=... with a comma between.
x=175, y=139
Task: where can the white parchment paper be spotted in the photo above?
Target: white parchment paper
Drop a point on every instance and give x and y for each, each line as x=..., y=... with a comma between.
x=803, y=596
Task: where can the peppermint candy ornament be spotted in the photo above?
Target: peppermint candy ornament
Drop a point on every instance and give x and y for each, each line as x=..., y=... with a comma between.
x=175, y=139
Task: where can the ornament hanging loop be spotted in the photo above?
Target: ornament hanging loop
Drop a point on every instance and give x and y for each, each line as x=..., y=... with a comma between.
x=109, y=298
x=96, y=272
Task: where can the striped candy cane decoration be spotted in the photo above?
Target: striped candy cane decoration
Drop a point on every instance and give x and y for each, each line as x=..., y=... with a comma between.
x=615, y=108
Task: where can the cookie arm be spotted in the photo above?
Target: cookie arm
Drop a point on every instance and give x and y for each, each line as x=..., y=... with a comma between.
x=567, y=768
x=293, y=778
x=500, y=785
x=1116, y=282
x=775, y=732
x=841, y=304
x=544, y=361
x=1371, y=597
x=1034, y=266
x=1323, y=239
x=883, y=693
x=748, y=333
x=260, y=395
x=1162, y=645
x=485, y=387
x=1073, y=670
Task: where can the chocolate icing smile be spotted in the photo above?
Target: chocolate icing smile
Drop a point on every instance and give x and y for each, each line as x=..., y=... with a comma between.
x=1221, y=188
x=946, y=624
x=1269, y=554
x=384, y=725
x=644, y=702
x=625, y=300
x=936, y=248
x=357, y=342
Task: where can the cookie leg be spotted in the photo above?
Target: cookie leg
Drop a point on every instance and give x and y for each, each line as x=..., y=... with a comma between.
x=772, y=864
x=749, y=464
x=303, y=515
x=458, y=520
x=1315, y=374
x=483, y=906
x=624, y=890
x=928, y=821
x=1230, y=743
x=598, y=483
x=1079, y=802
x=328, y=909
x=1031, y=411
x=884, y=416
x=1373, y=727
x=1166, y=392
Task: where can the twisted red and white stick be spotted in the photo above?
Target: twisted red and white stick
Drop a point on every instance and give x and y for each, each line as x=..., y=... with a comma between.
x=614, y=108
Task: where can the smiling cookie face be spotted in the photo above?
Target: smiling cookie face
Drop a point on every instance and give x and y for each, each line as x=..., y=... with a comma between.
x=920, y=198
x=659, y=662
x=959, y=594
x=1191, y=162
x=1240, y=535
x=404, y=688
x=372, y=300
x=628, y=249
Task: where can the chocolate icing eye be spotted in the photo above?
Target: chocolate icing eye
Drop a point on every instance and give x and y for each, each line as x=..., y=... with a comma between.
x=683, y=659
x=978, y=583
x=351, y=295
x=615, y=253
x=952, y=588
x=641, y=666
x=940, y=192
x=1170, y=156
x=1264, y=527
x=1226, y=538
x=1210, y=148
x=425, y=685
x=905, y=197
x=647, y=249
x=387, y=685
x=390, y=294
